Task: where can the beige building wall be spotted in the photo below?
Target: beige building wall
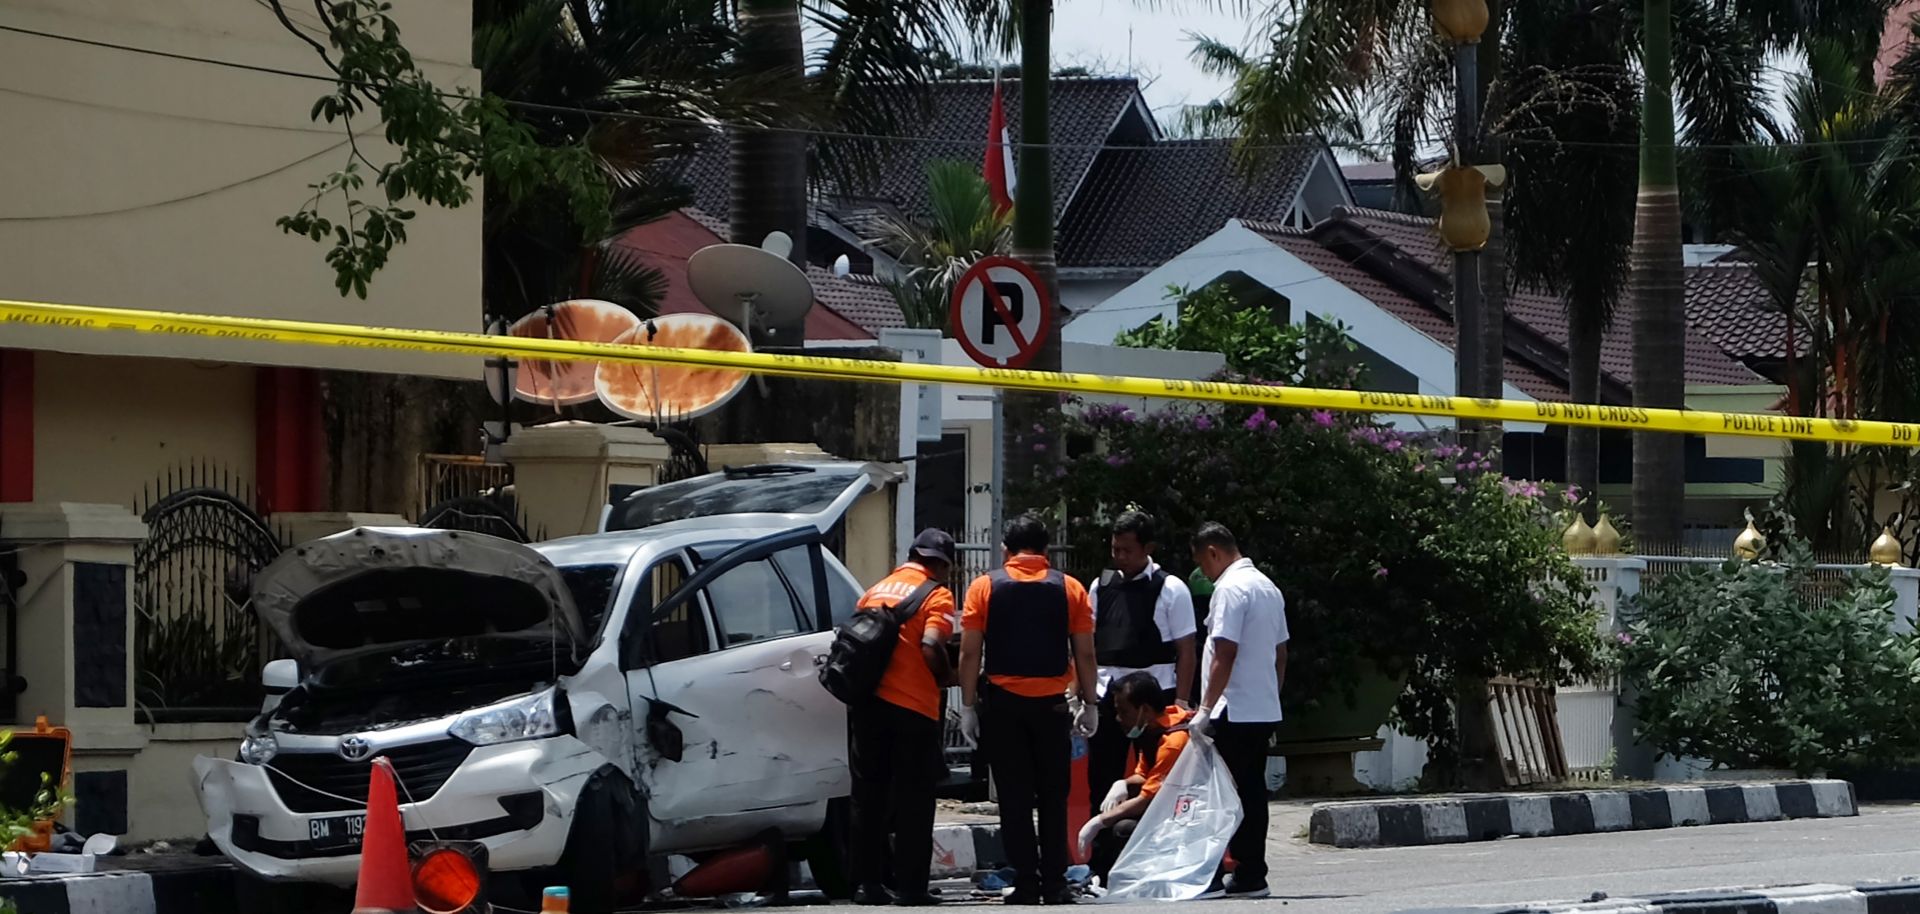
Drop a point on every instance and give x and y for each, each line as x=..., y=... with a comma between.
x=104, y=427
x=144, y=182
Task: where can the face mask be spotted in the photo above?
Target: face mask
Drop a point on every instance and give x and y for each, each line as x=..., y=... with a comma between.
x=1137, y=730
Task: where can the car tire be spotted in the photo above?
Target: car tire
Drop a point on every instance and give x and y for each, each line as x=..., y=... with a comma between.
x=253, y=894
x=829, y=853
x=607, y=840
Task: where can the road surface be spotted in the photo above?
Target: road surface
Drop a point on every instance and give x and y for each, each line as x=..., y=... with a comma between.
x=1882, y=844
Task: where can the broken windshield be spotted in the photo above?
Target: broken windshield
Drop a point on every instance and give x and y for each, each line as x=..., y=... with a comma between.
x=754, y=490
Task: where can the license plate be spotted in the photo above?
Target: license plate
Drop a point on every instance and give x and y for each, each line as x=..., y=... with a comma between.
x=336, y=831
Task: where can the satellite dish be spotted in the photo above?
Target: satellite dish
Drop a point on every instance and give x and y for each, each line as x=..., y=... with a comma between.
x=671, y=393
x=588, y=320
x=779, y=244
x=749, y=286
x=842, y=265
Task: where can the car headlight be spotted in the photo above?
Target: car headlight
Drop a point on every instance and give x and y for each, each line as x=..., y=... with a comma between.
x=259, y=750
x=531, y=717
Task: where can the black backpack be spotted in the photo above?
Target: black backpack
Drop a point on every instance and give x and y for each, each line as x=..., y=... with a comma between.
x=863, y=647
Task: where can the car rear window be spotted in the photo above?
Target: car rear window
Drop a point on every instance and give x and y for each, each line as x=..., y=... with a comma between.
x=806, y=491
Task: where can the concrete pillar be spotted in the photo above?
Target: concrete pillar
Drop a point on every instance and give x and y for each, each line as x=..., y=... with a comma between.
x=296, y=527
x=565, y=475
x=1906, y=597
x=74, y=626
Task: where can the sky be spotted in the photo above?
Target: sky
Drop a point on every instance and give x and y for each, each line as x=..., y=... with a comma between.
x=1148, y=38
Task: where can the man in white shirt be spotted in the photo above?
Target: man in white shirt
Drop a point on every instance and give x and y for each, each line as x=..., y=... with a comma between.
x=1143, y=622
x=1245, y=664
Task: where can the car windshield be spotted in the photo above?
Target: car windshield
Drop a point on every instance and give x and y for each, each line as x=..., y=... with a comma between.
x=754, y=490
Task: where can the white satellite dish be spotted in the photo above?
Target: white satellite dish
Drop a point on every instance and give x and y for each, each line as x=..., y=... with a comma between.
x=842, y=266
x=749, y=286
x=779, y=244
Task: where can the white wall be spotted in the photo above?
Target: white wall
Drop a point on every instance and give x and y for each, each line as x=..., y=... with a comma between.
x=145, y=182
x=1312, y=293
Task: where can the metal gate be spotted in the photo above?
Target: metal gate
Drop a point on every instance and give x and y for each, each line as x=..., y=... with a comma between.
x=198, y=646
x=478, y=514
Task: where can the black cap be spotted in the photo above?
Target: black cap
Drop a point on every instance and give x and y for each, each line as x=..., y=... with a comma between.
x=933, y=543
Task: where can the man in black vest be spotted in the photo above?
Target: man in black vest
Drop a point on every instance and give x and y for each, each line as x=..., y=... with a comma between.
x=1035, y=627
x=1143, y=622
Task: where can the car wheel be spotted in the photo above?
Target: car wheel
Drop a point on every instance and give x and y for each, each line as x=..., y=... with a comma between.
x=253, y=895
x=829, y=854
x=607, y=841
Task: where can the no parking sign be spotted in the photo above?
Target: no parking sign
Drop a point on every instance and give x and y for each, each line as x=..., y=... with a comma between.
x=1001, y=313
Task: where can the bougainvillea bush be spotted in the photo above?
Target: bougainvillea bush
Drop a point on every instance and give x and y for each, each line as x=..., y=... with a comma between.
x=1402, y=551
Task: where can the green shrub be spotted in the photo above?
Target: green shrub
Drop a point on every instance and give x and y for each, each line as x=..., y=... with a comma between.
x=1756, y=665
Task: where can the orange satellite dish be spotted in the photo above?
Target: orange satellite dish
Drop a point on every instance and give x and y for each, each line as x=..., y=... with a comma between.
x=585, y=320
x=668, y=393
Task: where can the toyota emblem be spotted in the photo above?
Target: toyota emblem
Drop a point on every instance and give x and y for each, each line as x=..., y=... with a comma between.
x=355, y=748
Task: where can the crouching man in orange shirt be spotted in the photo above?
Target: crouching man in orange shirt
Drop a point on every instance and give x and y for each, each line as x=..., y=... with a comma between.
x=1157, y=732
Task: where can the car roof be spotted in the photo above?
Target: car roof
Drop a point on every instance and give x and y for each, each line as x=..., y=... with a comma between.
x=620, y=546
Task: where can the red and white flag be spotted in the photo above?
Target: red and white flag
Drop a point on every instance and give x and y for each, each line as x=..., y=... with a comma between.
x=998, y=168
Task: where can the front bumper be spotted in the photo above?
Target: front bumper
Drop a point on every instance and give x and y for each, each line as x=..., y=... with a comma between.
x=515, y=798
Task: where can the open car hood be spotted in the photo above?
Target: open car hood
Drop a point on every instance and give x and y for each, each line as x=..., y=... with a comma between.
x=816, y=494
x=387, y=586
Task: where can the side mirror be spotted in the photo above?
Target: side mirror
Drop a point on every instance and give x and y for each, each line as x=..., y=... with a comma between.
x=280, y=676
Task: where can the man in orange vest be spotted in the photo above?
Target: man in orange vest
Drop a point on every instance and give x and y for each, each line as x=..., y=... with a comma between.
x=1034, y=626
x=895, y=738
x=1156, y=731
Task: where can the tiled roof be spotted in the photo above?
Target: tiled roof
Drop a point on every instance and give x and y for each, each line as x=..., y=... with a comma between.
x=1084, y=112
x=858, y=300
x=859, y=297
x=1142, y=205
x=1709, y=361
x=1543, y=315
x=1416, y=236
x=1727, y=303
x=1420, y=316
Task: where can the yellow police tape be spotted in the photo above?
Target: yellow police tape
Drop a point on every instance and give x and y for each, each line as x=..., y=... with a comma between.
x=845, y=369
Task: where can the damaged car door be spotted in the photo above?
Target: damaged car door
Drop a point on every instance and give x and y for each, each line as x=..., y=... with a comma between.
x=721, y=671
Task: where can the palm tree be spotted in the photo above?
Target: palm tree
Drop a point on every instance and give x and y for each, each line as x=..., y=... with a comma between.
x=961, y=228
x=1828, y=219
x=648, y=72
x=1558, y=79
x=868, y=78
x=1656, y=289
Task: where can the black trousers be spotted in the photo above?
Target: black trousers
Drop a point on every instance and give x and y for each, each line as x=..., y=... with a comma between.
x=1106, y=755
x=895, y=759
x=1030, y=744
x=1244, y=748
x=1107, y=847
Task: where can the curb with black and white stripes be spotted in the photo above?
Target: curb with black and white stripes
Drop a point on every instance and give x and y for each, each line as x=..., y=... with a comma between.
x=1866, y=898
x=184, y=890
x=1455, y=819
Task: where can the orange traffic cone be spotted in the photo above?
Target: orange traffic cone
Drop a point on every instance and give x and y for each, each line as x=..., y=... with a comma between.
x=386, y=879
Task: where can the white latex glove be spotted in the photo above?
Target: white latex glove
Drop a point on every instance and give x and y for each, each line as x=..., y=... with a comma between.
x=1116, y=795
x=970, y=722
x=1198, y=722
x=1086, y=719
x=1093, y=827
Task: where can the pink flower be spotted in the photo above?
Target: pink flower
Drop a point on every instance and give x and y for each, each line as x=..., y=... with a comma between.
x=1323, y=418
x=1380, y=572
x=1202, y=423
x=1258, y=420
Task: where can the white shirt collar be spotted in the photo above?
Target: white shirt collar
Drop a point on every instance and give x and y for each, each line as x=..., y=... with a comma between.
x=1146, y=572
x=1241, y=563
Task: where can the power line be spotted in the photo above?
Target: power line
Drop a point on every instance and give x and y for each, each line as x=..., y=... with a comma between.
x=180, y=199
x=816, y=132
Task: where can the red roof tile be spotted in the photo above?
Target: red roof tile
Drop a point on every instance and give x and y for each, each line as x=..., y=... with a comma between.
x=847, y=310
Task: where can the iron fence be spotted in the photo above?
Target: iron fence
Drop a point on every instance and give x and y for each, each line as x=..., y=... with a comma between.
x=444, y=477
x=198, y=646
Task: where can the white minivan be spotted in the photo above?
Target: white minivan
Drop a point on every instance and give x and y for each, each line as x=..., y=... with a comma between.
x=578, y=706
